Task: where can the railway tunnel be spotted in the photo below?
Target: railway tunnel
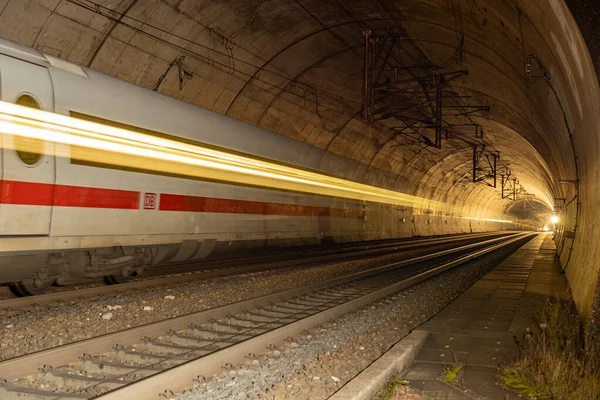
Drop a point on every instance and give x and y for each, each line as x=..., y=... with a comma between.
x=488, y=106
x=299, y=199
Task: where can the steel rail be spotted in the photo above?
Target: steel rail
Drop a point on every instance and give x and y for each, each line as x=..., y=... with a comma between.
x=363, y=250
x=63, y=355
x=182, y=376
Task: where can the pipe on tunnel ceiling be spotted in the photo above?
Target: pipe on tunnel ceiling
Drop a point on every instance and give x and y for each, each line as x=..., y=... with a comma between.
x=576, y=182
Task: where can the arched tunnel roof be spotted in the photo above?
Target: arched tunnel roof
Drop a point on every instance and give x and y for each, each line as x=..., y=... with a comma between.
x=498, y=80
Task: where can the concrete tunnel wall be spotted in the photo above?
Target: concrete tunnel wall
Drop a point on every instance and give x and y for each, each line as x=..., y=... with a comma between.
x=295, y=67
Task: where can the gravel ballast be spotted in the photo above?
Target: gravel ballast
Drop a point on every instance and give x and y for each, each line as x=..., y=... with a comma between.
x=318, y=363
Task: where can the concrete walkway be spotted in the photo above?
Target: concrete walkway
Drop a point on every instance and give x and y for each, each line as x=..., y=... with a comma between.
x=478, y=328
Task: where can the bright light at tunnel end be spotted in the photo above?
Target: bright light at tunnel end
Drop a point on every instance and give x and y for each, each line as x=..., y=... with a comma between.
x=554, y=219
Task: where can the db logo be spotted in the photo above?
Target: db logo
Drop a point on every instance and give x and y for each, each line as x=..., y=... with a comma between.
x=149, y=201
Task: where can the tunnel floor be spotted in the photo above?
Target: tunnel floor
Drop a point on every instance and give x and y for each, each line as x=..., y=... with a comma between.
x=478, y=329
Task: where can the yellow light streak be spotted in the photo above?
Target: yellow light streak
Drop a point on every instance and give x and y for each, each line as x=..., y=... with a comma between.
x=95, y=142
x=487, y=219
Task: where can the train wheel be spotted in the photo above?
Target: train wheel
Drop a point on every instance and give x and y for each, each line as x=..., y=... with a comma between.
x=116, y=279
x=30, y=287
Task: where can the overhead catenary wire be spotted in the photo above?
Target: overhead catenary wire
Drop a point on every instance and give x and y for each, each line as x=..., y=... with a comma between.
x=119, y=18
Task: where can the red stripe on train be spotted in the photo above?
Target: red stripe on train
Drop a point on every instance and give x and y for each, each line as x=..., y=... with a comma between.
x=47, y=194
x=79, y=196
x=30, y=193
x=175, y=202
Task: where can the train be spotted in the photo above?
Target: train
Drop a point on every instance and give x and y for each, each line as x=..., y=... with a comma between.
x=64, y=220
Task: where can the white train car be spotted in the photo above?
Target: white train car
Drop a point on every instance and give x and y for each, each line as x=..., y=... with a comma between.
x=63, y=220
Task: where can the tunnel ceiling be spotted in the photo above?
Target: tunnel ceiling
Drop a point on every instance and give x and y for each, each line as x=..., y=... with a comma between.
x=298, y=68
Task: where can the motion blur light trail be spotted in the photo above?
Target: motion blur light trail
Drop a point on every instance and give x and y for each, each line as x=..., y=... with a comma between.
x=486, y=219
x=181, y=158
x=94, y=142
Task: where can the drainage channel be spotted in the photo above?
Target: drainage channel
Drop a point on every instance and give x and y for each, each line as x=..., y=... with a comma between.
x=167, y=356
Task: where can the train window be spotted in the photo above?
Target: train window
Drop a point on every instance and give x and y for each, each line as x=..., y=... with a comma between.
x=30, y=151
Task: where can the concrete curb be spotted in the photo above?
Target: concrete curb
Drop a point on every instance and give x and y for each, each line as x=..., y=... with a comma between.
x=366, y=384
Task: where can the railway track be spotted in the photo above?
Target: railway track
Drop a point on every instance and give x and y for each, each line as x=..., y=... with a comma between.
x=223, y=268
x=338, y=250
x=156, y=360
